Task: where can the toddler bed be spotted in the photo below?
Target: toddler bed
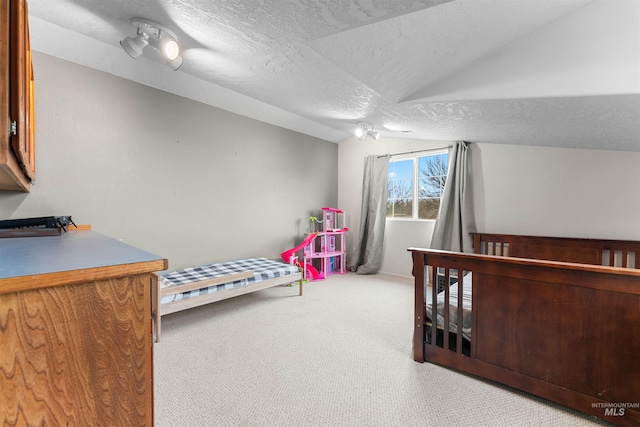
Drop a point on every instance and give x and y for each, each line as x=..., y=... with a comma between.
x=555, y=317
x=196, y=286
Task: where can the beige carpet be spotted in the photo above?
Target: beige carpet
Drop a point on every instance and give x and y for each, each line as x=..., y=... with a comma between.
x=338, y=356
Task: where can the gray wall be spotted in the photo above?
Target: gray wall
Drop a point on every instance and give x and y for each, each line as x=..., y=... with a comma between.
x=175, y=177
x=556, y=191
x=517, y=190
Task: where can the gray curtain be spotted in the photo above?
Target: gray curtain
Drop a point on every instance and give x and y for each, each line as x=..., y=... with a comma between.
x=367, y=252
x=455, y=220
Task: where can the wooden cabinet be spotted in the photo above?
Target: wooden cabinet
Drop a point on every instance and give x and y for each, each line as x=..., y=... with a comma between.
x=76, y=335
x=17, y=121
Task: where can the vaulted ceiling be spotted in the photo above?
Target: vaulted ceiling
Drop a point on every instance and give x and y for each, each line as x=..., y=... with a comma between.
x=533, y=72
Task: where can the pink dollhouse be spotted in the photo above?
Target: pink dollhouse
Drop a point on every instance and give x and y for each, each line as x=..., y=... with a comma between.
x=328, y=246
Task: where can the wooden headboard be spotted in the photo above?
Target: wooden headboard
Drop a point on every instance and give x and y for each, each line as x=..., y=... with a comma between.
x=615, y=253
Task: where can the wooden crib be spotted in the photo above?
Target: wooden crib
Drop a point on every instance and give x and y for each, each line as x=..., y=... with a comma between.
x=555, y=317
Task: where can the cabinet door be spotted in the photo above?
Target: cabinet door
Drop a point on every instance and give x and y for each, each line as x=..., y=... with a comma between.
x=21, y=87
x=78, y=354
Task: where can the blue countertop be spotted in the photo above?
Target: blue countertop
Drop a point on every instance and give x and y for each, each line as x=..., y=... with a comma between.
x=74, y=250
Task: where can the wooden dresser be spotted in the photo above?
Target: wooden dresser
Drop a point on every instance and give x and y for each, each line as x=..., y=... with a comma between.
x=76, y=339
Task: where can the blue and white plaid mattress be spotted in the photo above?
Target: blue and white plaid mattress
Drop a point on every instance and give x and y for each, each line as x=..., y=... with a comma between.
x=262, y=268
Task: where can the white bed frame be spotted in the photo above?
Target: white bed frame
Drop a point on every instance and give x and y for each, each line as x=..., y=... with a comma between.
x=157, y=293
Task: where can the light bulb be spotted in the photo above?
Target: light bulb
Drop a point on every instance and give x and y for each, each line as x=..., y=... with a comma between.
x=171, y=49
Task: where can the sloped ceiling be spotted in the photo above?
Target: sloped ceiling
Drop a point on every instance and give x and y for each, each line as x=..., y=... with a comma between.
x=533, y=72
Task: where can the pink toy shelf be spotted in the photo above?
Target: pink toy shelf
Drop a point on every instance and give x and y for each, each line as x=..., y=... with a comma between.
x=328, y=246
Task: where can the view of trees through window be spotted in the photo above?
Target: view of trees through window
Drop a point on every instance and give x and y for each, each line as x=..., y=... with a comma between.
x=416, y=186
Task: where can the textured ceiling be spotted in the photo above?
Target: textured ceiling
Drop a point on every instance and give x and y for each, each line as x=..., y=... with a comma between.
x=534, y=72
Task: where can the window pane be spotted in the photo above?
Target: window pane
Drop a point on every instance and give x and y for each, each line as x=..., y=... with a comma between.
x=400, y=199
x=428, y=208
x=430, y=187
x=432, y=175
x=403, y=208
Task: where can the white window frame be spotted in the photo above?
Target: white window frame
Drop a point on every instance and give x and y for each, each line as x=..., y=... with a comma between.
x=415, y=180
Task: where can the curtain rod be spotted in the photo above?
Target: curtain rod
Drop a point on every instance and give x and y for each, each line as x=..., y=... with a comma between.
x=417, y=151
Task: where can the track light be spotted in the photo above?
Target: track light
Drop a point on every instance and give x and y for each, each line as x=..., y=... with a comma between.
x=176, y=63
x=363, y=130
x=162, y=40
x=134, y=45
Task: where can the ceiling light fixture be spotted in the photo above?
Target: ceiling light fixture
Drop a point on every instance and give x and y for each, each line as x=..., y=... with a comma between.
x=134, y=45
x=363, y=130
x=162, y=40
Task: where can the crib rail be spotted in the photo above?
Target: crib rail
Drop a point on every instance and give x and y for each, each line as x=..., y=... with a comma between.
x=612, y=253
x=487, y=269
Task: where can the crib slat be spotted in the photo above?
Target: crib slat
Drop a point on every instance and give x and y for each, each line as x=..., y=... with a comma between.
x=434, y=305
x=460, y=321
x=474, y=309
x=445, y=341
